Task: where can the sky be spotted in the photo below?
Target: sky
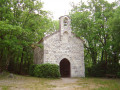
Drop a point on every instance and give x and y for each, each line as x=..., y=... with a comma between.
x=60, y=7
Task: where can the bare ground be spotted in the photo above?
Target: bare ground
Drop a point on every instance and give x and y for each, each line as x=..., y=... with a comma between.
x=71, y=84
x=32, y=83
x=64, y=84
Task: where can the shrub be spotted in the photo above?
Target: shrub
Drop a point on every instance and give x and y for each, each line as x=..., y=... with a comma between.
x=98, y=70
x=31, y=69
x=102, y=68
x=45, y=70
x=113, y=68
x=118, y=74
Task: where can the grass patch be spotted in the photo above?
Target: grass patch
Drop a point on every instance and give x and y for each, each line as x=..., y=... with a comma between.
x=34, y=83
x=100, y=83
x=5, y=87
x=3, y=75
x=24, y=82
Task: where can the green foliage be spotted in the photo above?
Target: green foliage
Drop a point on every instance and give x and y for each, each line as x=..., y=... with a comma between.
x=31, y=69
x=115, y=29
x=98, y=70
x=97, y=23
x=113, y=68
x=45, y=70
x=22, y=24
x=118, y=74
x=101, y=69
x=54, y=26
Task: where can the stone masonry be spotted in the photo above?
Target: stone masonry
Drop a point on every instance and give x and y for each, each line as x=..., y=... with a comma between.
x=62, y=44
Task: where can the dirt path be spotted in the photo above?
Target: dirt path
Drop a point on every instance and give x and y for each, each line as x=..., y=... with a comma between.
x=34, y=83
x=64, y=84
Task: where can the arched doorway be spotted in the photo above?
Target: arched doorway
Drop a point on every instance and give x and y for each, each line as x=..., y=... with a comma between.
x=65, y=68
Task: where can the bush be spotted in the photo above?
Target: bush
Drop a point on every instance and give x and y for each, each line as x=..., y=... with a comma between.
x=118, y=74
x=45, y=70
x=98, y=70
x=102, y=68
x=31, y=69
x=113, y=68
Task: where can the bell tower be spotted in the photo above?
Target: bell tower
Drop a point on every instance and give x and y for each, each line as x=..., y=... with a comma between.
x=65, y=25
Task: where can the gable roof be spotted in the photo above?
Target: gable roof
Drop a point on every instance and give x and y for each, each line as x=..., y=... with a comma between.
x=55, y=33
x=58, y=31
x=48, y=36
x=51, y=34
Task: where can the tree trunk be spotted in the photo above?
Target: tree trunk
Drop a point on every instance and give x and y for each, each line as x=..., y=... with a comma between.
x=7, y=63
x=21, y=63
x=102, y=55
x=8, y=58
x=94, y=56
x=106, y=56
x=115, y=58
x=1, y=60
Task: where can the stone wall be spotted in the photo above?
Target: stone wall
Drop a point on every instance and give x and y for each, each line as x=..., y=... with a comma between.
x=62, y=44
x=38, y=55
x=58, y=47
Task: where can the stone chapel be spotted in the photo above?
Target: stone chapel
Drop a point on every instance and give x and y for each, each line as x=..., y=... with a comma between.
x=64, y=49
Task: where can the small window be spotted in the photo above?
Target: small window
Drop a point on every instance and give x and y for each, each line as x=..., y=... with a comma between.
x=65, y=21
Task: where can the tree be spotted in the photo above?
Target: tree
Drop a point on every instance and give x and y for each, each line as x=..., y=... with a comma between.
x=91, y=22
x=23, y=23
x=114, y=24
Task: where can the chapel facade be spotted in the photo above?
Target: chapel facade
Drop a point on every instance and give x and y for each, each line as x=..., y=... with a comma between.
x=64, y=49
